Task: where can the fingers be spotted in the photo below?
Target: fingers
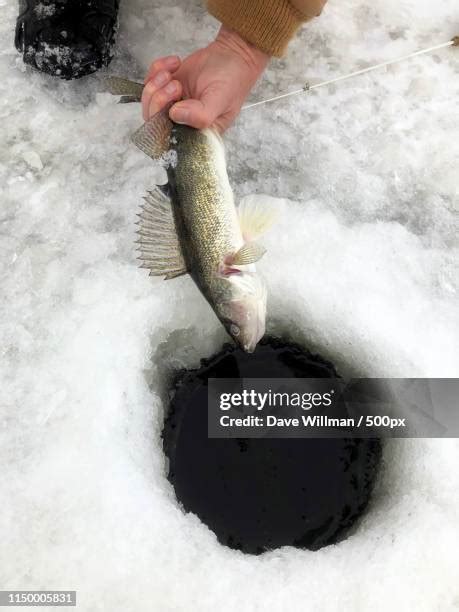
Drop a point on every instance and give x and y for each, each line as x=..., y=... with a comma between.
x=170, y=63
x=160, y=89
x=201, y=113
x=155, y=98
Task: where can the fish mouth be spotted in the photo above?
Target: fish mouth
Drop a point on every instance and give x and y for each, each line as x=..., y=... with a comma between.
x=246, y=322
x=250, y=344
x=247, y=344
x=249, y=348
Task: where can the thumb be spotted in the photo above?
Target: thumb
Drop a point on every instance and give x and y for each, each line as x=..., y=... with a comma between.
x=201, y=113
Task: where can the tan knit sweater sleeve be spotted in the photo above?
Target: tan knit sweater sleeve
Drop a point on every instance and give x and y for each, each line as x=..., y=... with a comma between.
x=268, y=24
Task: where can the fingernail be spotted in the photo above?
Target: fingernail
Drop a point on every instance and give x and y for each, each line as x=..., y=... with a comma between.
x=171, y=88
x=161, y=78
x=172, y=61
x=180, y=114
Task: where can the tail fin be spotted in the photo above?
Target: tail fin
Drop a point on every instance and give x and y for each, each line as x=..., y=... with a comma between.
x=130, y=91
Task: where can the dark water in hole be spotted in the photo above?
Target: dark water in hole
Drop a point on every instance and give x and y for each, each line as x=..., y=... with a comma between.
x=260, y=494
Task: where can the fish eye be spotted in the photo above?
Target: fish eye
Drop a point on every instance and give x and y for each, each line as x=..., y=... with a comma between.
x=234, y=330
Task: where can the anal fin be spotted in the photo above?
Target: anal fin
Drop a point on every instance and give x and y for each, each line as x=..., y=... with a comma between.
x=257, y=215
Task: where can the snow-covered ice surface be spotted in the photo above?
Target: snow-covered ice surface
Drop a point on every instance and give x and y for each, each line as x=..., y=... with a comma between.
x=361, y=267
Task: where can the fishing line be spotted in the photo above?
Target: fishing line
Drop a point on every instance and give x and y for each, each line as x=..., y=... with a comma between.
x=308, y=87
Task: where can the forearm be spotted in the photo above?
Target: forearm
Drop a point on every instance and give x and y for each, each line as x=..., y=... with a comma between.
x=267, y=24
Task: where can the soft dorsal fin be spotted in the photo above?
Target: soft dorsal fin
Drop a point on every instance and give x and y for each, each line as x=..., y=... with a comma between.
x=154, y=135
x=256, y=216
x=249, y=253
x=159, y=247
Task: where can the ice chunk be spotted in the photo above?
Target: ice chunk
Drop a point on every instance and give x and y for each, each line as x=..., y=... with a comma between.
x=33, y=160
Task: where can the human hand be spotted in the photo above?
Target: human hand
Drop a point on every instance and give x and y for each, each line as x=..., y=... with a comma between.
x=213, y=82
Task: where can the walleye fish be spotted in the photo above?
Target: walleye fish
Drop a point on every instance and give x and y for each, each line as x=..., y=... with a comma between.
x=191, y=224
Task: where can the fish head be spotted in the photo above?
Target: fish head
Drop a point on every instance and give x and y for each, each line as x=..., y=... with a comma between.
x=241, y=307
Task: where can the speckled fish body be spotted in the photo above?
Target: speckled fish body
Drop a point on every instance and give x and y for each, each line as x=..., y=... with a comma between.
x=203, y=204
x=191, y=224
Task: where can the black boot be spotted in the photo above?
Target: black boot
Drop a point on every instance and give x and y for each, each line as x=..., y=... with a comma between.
x=66, y=38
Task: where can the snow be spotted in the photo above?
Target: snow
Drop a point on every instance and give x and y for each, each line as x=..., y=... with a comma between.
x=361, y=267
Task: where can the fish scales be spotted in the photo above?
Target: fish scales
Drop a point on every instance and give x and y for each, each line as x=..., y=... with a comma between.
x=203, y=203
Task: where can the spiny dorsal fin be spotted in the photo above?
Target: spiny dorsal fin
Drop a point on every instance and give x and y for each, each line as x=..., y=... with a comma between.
x=124, y=87
x=256, y=216
x=154, y=135
x=158, y=242
x=248, y=254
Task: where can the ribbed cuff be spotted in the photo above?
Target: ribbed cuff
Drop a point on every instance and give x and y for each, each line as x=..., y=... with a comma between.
x=267, y=24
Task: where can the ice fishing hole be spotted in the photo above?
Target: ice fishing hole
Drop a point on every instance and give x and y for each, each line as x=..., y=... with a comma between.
x=260, y=494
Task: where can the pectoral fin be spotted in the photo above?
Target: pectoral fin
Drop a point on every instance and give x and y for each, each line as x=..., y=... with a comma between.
x=159, y=247
x=247, y=254
x=256, y=216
